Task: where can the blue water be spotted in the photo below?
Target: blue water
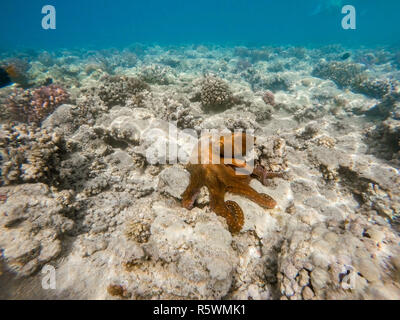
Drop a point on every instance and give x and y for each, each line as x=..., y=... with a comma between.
x=110, y=23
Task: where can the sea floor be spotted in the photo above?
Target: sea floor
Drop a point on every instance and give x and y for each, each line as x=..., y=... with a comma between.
x=90, y=204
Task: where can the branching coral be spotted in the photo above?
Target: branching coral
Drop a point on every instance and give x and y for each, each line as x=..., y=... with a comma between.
x=272, y=81
x=28, y=154
x=376, y=88
x=344, y=74
x=215, y=93
x=156, y=74
x=351, y=75
x=33, y=106
x=117, y=90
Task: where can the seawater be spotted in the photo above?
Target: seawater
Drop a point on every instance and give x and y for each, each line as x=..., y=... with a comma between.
x=106, y=23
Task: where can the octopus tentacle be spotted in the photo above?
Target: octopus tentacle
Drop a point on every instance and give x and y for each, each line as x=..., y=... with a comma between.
x=229, y=210
x=189, y=197
x=192, y=192
x=262, y=199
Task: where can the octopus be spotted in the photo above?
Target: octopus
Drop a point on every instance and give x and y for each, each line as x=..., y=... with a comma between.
x=226, y=173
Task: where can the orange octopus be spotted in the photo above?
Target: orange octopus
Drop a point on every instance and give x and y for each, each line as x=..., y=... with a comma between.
x=220, y=174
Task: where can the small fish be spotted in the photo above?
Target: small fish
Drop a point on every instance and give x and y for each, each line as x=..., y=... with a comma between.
x=8, y=75
x=48, y=82
x=345, y=56
x=5, y=78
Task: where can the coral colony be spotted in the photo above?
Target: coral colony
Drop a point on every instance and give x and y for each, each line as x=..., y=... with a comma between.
x=35, y=105
x=201, y=172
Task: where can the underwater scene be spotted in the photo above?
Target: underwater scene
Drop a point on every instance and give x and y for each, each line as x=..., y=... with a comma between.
x=200, y=150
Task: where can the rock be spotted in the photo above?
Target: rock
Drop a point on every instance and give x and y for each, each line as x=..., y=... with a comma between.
x=28, y=237
x=162, y=143
x=21, y=250
x=319, y=278
x=173, y=181
x=307, y=293
x=61, y=120
x=50, y=251
x=304, y=278
x=127, y=128
x=368, y=270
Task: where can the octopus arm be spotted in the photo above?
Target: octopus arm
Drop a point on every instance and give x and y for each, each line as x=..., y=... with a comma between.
x=262, y=199
x=192, y=191
x=230, y=210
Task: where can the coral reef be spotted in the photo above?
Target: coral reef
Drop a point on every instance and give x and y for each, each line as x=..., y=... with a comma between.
x=388, y=133
x=33, y=106
x=376, y=88
x=254, y=55
x=46, y=58
x=97, y=190
x=271, y=81
x=317, y=263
